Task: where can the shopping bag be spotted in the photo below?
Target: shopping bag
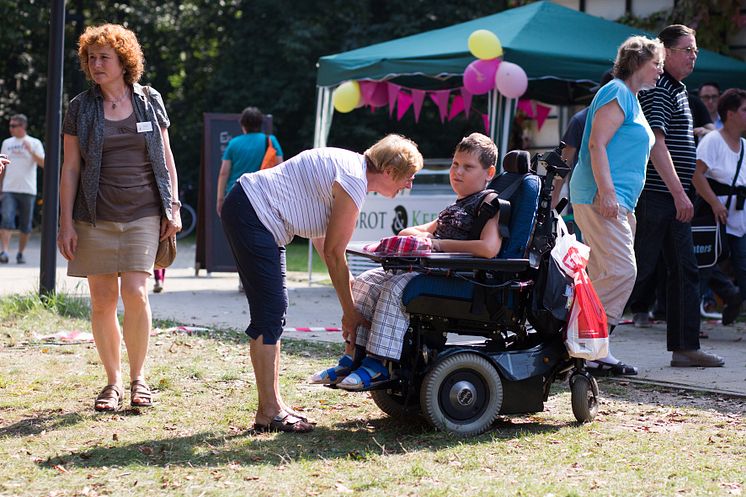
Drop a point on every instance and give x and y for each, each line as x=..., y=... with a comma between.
x=587, y=332
x=570, y=254
x=270, y=156
x=708, y=244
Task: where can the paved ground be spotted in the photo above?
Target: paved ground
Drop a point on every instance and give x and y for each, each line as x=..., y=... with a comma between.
x=213, y=301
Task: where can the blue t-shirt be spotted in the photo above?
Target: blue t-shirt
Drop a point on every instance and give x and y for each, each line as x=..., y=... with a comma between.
x=246, y=153
x=628, y=150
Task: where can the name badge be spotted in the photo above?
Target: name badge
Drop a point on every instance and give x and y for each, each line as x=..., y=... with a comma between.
x=144, y=127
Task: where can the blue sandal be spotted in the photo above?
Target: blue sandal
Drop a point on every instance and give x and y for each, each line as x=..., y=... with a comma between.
x=371, y=373
x=334, y=375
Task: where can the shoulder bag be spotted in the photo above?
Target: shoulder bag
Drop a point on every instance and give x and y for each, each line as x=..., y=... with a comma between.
x=708, y=235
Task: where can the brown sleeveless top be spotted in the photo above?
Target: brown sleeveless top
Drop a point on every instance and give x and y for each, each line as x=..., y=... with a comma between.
x=127, y=190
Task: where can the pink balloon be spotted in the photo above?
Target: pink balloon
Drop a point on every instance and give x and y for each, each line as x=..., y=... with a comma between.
x=511, y=80
x=374, y=93
x=479, y=76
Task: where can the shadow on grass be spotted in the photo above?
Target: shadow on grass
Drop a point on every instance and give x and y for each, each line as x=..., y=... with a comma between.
x=352, y=441
x=39, y=423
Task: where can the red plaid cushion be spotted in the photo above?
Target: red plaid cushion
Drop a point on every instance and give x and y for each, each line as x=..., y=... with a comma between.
x=401, y=245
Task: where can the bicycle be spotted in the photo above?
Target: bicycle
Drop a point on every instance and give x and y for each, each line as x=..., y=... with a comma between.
x=188, y=221
x=188, y=214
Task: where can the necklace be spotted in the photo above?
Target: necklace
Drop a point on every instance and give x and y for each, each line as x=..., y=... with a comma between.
x=114, y=102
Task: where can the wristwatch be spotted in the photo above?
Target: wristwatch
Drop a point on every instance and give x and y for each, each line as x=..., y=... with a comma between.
x=176, y=203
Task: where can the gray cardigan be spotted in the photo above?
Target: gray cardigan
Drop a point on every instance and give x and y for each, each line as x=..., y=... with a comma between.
x=85, y=119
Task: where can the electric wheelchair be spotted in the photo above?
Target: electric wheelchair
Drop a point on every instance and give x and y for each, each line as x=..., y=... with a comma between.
x=507, y=315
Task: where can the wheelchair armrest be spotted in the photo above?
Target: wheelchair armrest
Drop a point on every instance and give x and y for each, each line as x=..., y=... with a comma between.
x=460, y=262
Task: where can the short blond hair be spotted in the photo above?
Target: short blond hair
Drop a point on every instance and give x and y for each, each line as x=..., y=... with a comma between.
x=396, y=154
x=122, y=40
x=633, y=53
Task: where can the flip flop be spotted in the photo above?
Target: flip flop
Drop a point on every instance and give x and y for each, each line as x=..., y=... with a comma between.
x=606, y=369
x=286, y=423
x=141, y=390
x=110, y=399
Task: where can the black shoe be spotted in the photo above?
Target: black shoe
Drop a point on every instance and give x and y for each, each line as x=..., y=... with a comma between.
x=732, y=309
x=20, y=259
x=3, y=257
x=641, y=319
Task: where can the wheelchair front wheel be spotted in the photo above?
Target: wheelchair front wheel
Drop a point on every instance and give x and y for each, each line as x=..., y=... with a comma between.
x=393, y=404
x=584, y=397
x=462, y=394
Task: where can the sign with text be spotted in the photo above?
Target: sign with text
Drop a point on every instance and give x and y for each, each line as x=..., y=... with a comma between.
x=382, y=217
x=213, y=252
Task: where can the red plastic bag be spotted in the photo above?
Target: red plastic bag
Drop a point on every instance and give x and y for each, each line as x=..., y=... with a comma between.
x=587, y=332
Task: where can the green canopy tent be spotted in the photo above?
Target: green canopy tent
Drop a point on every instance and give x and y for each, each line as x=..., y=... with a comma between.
x=563, y=51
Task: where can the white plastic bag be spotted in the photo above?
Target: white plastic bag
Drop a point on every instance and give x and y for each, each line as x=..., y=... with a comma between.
x=570, y=254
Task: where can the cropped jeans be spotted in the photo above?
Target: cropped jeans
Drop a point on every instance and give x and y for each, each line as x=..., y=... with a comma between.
x=658, y=232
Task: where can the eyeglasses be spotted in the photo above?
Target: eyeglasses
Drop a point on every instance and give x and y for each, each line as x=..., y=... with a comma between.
x=13, y=125
x=688, y=50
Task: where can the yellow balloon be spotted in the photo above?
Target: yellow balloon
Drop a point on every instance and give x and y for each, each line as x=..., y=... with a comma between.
x=347, y=96
x=484, y=44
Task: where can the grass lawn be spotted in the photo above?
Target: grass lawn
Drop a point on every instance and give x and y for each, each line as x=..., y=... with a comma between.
x=197, y=439
x=297, y=257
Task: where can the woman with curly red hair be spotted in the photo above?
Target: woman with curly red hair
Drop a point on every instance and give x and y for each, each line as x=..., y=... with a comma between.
x=118, y=198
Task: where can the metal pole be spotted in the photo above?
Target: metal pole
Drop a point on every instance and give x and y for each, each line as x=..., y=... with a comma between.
x=48, y=268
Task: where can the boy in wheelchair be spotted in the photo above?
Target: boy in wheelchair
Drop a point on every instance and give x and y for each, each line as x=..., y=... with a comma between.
x=378, y=293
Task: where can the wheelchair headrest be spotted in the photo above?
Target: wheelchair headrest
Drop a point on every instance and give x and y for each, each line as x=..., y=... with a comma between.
x=516, y=161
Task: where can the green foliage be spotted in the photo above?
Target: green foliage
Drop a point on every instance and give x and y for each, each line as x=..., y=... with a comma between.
x=714, y=21
x=221, y=56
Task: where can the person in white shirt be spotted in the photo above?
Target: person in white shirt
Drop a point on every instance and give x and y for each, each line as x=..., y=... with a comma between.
x=720, y=178
x=19, y=185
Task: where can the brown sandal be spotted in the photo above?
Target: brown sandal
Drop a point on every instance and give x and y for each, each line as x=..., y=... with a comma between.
x=110, y=399
x=140, y=394
x=285, y=422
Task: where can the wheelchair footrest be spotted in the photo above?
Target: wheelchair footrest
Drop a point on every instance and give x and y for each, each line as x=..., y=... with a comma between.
x=393, y=383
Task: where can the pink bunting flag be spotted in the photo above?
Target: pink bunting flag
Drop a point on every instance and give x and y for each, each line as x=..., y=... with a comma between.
x=418, y=97
x=367, y=89
x=374, y=94
x=440, y=98
x=457, y=107
x=393, y=94
x=486, y=121
x=466, y=96
x=542, y=111
x=403, y=102
x=524, y=105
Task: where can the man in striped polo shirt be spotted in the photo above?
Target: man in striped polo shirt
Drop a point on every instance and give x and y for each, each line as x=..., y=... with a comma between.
x=664, y=209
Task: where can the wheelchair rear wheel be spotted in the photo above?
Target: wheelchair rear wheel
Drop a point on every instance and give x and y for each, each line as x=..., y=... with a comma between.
x=584, y=396
x=462, y=394
x=393, y=404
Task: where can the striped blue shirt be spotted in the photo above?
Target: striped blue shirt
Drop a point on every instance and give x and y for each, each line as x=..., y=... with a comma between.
x=666, y=107
x=295, y=197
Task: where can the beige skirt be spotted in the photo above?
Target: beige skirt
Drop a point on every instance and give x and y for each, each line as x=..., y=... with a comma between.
x=111, y=247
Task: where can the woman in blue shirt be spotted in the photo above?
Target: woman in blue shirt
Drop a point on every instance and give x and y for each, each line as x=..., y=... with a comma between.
x=609, y=177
